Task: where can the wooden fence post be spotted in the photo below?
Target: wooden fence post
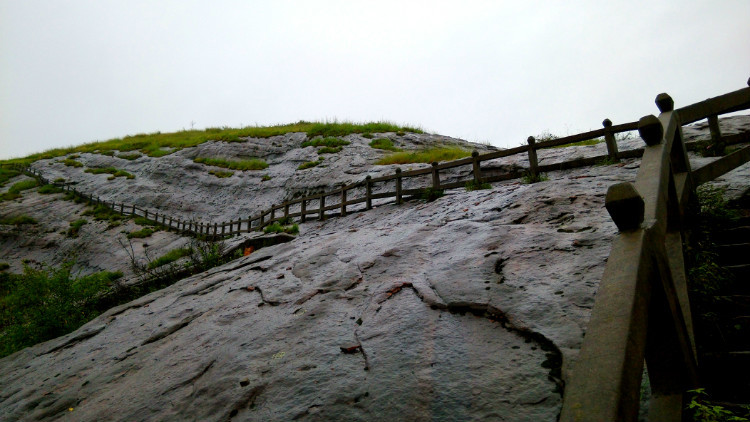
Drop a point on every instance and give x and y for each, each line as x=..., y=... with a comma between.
x=262, y=216
x=122, y=208
x=475, y=167
x=224, y=227
x=322, y=214
x=368, y=192
x=398, y=186
x=216, y=226
x=303, y=211
x=716, y=143
x=273, y=212
x=533, y=162
x=249, y=223
x=145, y=214
x=609, y=138
x=343, y=200
x=435, y=176
x=286, y=209
x=156, y=218
x=133, y=209
x=170, y=223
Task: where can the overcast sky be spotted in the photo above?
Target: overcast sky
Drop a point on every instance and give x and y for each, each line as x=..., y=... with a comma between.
x=493, y=71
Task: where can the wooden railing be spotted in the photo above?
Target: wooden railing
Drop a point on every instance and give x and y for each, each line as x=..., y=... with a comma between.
x=410, y=183
x=642, y=309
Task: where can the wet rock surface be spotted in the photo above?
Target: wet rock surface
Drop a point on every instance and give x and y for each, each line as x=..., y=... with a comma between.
x=471, y=307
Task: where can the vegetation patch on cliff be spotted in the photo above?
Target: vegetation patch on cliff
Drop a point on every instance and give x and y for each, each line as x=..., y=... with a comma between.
x=429, y=155
x=251, y=164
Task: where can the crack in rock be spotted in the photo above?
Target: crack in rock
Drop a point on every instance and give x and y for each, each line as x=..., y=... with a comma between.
x=167, y=331
x=247, y=401
x=76, y=339
x=554, y=356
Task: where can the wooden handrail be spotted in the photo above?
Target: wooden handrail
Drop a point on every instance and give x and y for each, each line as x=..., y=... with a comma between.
x=642, y=309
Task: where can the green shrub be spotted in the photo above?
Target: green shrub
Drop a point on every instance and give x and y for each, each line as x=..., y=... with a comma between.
x=75, y=227
x=529, y=178
x=49, y=189
x=265, y=178
x=108, y=153
x=169, y=257
x=74, y=156
x=383, y=143
x=330, y=142
x=367, y=135
x=17, y=220
x=429, y=155
x=59, y=180
x=278, y=228
x=45, y=303
x=310, y=164
x=140, y=234
x=703, y=410
x=251, y=164
x=221, y=174
x=110, y=170
x=72, y=163
x=431, y=194
x=474, y=185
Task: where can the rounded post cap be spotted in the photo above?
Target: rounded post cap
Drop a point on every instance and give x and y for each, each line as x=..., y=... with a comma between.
x=398, y=169
x=664, y=102
x=368, y=177
x=748, y=81
x=607, y=123
x=434, y=164
x=475, y=153
x=625, y=205
x=531, y=140
x=650, y=130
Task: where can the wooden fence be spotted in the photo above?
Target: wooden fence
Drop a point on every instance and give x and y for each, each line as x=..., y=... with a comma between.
x=642, y=309
x=340, y=200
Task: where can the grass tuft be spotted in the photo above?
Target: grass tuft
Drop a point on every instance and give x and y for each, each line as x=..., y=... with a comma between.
x=49, y=189
x=474, y=185
x=75, y=227
x=140, y=234
x=129, y=156
x=310, y=164
x=17, y=220
x=110, y=170
x=425, y=156
x=221, y=174
x=385, y=144
x=169, y=257
x=251, y=164
x=330, y=142
x=276, y=227
x=72, y=163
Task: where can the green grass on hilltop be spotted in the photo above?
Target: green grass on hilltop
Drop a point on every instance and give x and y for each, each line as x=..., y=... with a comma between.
x=158, y=144
x=425, y=156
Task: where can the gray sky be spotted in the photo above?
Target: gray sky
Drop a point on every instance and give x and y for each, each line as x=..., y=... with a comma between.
x=79, y=71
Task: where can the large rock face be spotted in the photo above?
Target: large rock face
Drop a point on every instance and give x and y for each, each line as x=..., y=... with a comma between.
x=472, y=307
